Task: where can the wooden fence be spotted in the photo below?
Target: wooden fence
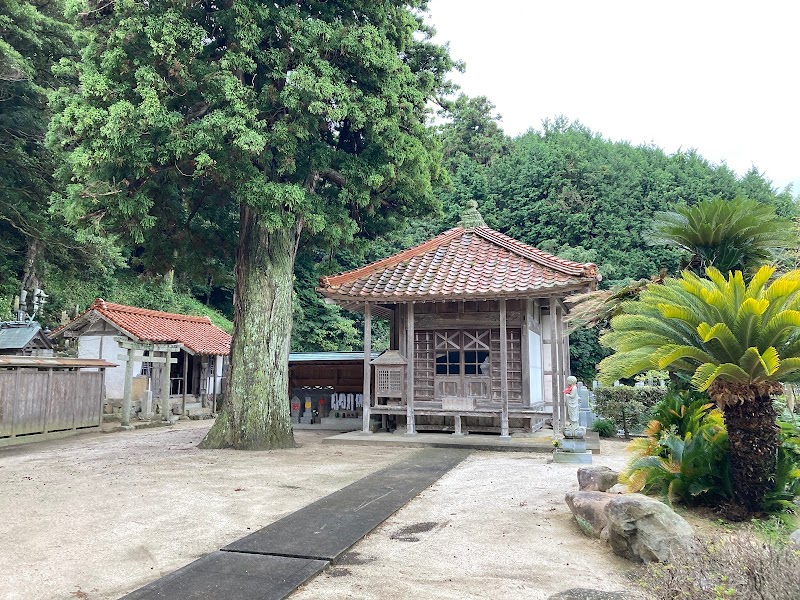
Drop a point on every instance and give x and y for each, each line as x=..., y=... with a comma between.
x=42, y=401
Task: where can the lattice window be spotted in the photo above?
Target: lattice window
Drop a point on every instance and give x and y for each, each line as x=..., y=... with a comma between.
x=389, y=381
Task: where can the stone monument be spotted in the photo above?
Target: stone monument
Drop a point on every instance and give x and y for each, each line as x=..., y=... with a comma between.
x=572, y=448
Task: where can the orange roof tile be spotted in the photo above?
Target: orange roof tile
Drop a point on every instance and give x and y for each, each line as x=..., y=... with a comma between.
x=461, y=263
x=197, y=334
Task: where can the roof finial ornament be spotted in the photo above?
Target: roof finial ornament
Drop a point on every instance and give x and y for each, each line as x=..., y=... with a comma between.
x=471, y=217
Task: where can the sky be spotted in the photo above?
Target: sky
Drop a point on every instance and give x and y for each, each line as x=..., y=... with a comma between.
x=717, y=77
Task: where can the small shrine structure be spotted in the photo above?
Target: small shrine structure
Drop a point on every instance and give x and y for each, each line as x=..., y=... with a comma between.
x=181, y=359
x=478, y=318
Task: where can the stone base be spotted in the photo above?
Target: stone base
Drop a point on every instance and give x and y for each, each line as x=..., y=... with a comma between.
x=572, y=458
x=573, y=445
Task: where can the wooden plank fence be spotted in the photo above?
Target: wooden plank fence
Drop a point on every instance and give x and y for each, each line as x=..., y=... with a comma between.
x=42, y=401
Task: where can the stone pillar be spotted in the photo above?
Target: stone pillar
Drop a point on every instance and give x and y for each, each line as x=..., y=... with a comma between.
x=165, y=405
x=126, y=394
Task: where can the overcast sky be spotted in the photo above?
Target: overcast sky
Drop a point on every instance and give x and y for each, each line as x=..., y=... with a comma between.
x=719, y=77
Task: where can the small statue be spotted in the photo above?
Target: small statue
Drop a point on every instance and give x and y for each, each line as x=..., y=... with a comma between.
x=572, y=427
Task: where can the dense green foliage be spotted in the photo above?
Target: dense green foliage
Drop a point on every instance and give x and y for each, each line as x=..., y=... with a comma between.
x=737, y=340
x=605, y=427
x=781, y=499
x=563, y=188
x=741, y=235
x=683, y=455
x=627, y=406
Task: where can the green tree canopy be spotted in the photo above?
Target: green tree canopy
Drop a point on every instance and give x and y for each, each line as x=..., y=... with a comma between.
x=302, y=119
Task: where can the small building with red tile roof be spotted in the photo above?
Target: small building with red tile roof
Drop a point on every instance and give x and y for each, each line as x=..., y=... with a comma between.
x=195, y=377
x=479, y=318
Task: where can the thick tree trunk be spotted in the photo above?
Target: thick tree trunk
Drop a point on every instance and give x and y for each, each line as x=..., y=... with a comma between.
x=255, y=413
x=753, y=439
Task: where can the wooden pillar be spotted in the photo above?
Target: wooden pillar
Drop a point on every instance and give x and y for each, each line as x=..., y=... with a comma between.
x=503, y=370
x=525, y=350
x=410, y=426
x=49, y=399
x=126, y=394
x=367, y=403
x=165, y=407
x=213, y=363
x=554, y=379
x=563, y=362
x=101, y=393
x=185, y=383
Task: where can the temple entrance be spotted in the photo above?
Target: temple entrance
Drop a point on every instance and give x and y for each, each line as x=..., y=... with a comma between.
x=463, y=364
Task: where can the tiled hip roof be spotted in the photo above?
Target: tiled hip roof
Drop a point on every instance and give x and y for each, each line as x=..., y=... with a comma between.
x=462, y=263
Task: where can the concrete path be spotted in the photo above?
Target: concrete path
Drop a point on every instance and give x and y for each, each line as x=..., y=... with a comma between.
x=541, y=441
x=272, y=562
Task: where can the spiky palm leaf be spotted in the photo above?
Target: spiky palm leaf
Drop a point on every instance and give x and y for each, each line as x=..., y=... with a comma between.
x=730, y=235
x=713, y=329
x=737, y=340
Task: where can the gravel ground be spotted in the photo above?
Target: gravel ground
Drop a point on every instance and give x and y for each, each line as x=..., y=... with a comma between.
x=496, y=526
x=98, y=515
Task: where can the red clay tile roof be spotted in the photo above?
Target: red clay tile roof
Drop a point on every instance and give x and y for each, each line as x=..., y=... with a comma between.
x=461, y=263
x=197, y=334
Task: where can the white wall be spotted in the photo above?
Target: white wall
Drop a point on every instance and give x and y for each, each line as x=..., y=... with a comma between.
x=105, y=348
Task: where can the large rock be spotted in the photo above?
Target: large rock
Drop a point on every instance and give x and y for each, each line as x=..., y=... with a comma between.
x=596, y=479
x=642, y=529
x=588, y=508
x=795, y=538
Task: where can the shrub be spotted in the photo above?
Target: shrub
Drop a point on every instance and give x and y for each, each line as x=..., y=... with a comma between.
x=627, y=406
x=684, y=454
x=742, y=566
x=605, y=427
x=780, y=500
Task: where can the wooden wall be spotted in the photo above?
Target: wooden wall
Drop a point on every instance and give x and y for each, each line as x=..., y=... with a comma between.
x=42, y=401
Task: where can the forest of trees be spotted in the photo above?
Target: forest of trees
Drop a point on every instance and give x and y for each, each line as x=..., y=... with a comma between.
x=169, y=241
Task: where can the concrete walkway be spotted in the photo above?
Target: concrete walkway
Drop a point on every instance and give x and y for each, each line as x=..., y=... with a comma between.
x=272, y=562
x=540, y=441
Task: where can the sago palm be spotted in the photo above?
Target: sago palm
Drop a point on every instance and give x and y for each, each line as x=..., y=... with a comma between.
x=739, y=234
x=737, y=341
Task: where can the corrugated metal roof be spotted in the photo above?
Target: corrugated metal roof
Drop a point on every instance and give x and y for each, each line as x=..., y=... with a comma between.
x=296, y=357
x=15, y=336
x=52, y=361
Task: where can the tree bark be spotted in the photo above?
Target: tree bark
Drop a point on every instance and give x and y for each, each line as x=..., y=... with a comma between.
x=753, y=440
x=255, y=413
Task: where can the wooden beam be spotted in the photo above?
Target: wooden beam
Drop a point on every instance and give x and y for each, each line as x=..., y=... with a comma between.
x=563, y=362
x=410, y=425
x=525, y=353
x=185, y=376
x=556, y=391
x=367, y=368
x=503, y=370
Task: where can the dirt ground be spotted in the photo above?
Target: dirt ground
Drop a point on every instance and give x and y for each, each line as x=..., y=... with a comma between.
x=496, y=526
x=98, y=515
